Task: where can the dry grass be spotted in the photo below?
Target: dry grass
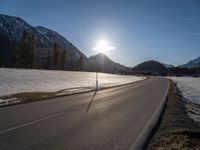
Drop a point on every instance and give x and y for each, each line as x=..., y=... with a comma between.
x=182, y=139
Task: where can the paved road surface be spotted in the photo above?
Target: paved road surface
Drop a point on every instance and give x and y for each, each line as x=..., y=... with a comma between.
x=109, y=119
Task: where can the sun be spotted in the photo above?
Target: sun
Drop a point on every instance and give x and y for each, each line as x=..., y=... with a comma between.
x=103, y=46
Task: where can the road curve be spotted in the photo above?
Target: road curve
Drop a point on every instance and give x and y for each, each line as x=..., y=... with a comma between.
x=107, y=119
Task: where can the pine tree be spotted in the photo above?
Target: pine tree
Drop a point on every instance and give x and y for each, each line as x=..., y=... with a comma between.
x=48, y=60
x=80, y=63
x=31, y=52
x=55, y=55
x=63, y=61
x=24, y=52
x=115, y=69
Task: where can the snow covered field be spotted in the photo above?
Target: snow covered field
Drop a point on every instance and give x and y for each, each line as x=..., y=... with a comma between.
x=190, y=89
x=21, y=80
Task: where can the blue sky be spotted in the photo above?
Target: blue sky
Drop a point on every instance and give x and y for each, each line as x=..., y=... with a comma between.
x=163, y=30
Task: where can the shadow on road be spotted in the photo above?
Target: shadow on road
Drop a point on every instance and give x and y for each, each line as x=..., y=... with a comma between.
x=91, y=101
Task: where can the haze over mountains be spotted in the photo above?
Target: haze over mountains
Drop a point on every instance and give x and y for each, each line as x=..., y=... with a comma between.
x=12, y=28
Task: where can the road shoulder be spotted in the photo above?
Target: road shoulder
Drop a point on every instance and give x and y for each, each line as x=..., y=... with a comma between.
x=175, y=130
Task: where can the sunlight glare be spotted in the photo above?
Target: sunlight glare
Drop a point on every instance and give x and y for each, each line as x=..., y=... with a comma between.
x=103, y=46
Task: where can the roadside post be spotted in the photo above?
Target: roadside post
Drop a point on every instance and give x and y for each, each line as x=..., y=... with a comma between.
x=97, y=80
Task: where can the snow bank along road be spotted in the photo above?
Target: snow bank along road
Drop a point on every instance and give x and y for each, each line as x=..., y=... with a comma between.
x=190, y=90
x=107, y=119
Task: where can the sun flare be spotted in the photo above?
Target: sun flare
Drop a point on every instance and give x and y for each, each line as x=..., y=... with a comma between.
x=103, y=46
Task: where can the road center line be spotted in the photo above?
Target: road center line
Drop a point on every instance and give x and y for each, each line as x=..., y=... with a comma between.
x=31, y=122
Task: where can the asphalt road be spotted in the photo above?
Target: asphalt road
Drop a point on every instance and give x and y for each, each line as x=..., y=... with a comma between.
x=108, y=119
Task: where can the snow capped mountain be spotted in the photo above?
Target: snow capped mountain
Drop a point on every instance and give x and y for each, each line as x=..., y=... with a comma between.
x=193, y=63
x=11, y=30
x=169, y=65
x=53, y=36
x=13, y=27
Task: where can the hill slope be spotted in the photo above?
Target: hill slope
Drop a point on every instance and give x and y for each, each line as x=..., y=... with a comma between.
x=150, y=66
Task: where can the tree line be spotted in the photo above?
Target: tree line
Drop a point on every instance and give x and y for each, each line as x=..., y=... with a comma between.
x=26, y=56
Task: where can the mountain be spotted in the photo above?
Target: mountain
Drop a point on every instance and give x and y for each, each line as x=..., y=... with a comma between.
x=169, y=65
x=11, y=29
x=192, y=64
x=102, y=63
x=150, y=66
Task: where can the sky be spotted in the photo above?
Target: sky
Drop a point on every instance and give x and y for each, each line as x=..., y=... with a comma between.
x=164, y=30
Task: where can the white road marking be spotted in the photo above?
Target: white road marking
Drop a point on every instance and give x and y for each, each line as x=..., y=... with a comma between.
x=31, y=122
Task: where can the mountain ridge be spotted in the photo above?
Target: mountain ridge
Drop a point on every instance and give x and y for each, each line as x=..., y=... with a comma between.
x=195, y=63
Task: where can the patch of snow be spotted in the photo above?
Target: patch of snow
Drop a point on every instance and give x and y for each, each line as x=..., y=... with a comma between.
x=41, y=31
x=190, y=89
x=9, y=101
x=193, y=111
x=1, y=101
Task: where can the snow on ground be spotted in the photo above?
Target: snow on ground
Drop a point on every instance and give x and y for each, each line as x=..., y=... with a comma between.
x=26, y=80
x=190, y=90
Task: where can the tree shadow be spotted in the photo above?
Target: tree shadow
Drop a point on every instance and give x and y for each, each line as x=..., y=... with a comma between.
x=88, y=107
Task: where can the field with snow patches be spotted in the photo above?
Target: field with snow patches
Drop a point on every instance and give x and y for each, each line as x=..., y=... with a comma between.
x=14, y=81
x=190, y=90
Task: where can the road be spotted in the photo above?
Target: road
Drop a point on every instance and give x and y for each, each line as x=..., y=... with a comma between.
x=107, y=119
